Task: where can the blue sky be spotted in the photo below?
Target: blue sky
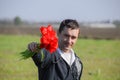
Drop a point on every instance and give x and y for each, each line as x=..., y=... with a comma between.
x=57, y=10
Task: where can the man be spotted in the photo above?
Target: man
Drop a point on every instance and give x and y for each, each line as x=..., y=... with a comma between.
x=63, y=64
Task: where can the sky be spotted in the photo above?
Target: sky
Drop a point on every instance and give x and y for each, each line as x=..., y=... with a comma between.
x=57, y=10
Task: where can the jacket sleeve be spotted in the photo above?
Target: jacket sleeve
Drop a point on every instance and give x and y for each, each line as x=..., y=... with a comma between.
x=37, y=58
x=41, y=58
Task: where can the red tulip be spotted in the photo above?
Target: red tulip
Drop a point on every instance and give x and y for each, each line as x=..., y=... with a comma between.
x=49, y=38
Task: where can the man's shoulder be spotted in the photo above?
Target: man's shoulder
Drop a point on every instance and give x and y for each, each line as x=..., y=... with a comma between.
x=77, y=58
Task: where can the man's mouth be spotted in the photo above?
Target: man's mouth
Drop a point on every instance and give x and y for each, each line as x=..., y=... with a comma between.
x=67, y=45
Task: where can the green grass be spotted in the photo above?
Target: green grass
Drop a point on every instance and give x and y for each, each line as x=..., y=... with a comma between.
x=100, y=58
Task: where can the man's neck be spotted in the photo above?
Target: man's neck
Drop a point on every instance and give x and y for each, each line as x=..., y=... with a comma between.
x=65, y=51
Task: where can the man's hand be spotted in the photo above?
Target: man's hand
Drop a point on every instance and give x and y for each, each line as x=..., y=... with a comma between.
x=32, y=46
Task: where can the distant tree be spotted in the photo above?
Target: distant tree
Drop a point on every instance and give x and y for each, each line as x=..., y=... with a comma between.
x=117, y=23
x=17, y=20
x=106, y=21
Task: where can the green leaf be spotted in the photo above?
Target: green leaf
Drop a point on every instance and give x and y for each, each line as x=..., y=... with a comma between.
x=26, y=54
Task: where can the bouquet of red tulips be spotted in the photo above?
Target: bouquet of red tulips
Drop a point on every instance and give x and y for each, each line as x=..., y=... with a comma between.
x=48, y=40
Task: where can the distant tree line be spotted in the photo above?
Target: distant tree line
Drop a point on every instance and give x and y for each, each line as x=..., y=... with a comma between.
x=117, y=23
x=18, y=21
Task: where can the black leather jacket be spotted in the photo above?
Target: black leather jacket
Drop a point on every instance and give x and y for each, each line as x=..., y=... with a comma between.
x=54, y=67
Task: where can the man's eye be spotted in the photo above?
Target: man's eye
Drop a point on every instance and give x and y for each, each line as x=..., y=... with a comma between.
x=73, y=37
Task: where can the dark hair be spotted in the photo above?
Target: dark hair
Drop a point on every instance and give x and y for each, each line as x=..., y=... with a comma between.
x=69, y=23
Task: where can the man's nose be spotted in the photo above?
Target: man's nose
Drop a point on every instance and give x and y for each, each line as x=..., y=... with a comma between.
x=69, y=40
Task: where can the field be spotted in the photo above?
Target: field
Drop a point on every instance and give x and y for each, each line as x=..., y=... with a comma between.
x=101, y=58
x=86, y=32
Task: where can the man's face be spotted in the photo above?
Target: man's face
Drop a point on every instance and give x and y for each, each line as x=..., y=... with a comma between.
x=67, y=38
